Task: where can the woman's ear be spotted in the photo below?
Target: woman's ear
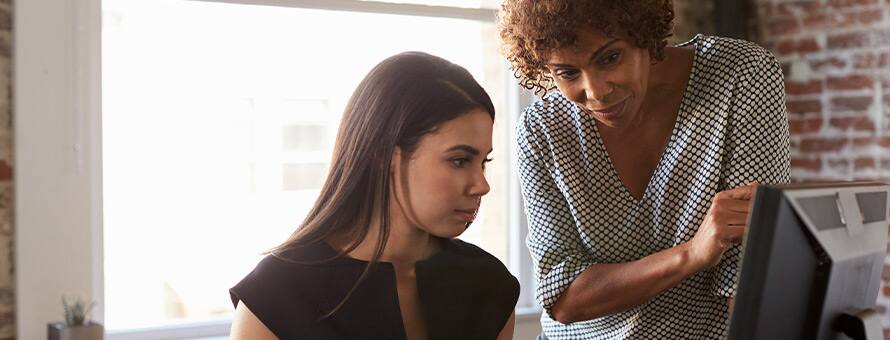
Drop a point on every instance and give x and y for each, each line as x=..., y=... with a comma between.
x=396, y=159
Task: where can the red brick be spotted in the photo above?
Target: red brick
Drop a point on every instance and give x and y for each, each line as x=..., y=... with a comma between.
x=826, y=64
x=765, y=9
x=796, y=87
x=861, y=142
x=5, y=172
x=5, y=20
x=801, y=46
x=806, y=163
x=783, y=27
x=857, y=19
x=886, y=274
x=802, y=126
x=854, y=123
x=840, y=165
x=798, y=8
x=804, y=106
x=864, y=163
x=884, y=142
x=868, y=60
x=851, y=103
x=870, y=16
x=850, y=82
x=823, y=22
x=850, y=3
x=822, y=144
x=817, y=21
x=871, y=60
x=848, y=40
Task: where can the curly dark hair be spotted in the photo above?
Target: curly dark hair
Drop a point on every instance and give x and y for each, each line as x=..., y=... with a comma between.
x=531, y=29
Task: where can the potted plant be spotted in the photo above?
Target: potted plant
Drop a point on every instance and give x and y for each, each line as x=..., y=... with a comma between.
x=77, y=325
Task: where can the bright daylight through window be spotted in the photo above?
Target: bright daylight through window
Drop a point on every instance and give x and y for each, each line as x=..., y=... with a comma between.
x=218, y=124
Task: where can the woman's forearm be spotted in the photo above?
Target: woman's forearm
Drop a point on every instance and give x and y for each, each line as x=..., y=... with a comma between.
x=604, y=289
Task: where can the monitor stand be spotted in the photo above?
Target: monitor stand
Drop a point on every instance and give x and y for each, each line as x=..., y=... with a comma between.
x=860, y=325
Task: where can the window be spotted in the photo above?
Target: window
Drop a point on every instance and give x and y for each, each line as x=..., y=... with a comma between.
x=452, y=3
x=218, y=124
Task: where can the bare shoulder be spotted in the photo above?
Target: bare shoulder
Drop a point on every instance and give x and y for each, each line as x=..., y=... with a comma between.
x=245, y=325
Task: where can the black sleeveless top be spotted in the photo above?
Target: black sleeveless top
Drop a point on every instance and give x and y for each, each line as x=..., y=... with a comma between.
x=465, y=293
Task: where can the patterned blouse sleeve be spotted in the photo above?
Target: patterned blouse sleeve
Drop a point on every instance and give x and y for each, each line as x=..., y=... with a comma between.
x=553, y=238
x=757, y=143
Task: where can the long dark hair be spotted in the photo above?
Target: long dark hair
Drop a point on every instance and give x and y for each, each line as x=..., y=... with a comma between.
x=401, y=99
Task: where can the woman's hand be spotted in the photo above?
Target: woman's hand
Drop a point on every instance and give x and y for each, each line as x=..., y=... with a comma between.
x=724, y=225
x=602, y=289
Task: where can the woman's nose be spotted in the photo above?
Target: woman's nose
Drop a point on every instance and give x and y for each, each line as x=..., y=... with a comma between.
x=480, y=185
x=596, y=88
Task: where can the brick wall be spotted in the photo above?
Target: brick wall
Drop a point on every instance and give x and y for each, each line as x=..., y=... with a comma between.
x=7, y=289
x=836, y=58
x=692, y=17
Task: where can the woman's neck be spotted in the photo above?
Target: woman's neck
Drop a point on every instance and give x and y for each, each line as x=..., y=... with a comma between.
x=670, y=75
x=667, y=83
x=406, y=244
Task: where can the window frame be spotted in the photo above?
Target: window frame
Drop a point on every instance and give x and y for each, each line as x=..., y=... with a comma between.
x=58, y=245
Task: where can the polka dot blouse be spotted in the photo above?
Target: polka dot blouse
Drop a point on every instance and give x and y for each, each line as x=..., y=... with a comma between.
x=731, y=129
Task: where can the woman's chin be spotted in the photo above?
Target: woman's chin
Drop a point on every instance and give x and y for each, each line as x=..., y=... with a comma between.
x=450, y=231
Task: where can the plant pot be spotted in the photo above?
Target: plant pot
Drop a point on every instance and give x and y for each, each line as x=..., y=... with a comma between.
x=61, y=331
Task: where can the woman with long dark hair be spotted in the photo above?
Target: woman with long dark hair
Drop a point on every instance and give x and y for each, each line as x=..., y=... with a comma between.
x=376, y=257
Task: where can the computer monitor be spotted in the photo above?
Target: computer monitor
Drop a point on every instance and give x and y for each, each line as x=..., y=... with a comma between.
x=812, y=262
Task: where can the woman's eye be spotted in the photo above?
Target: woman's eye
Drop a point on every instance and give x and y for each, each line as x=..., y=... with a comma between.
x=566, y=75
x=611, y=58
x=459, y=162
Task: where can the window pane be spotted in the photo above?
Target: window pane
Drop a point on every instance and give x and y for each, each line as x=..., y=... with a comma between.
x=303, y=176
x=218, y=125
x=305, y=138
x=450, y=3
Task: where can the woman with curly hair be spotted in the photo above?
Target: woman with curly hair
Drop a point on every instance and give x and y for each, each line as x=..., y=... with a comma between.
x=638, y=168
x=376, y=257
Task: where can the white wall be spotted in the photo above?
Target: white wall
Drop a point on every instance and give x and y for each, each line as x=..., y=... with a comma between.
x=56, y=159
x=528, y=326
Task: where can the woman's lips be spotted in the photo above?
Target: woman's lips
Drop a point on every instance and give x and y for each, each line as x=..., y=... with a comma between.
x=612, y=111
x=467, y=215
